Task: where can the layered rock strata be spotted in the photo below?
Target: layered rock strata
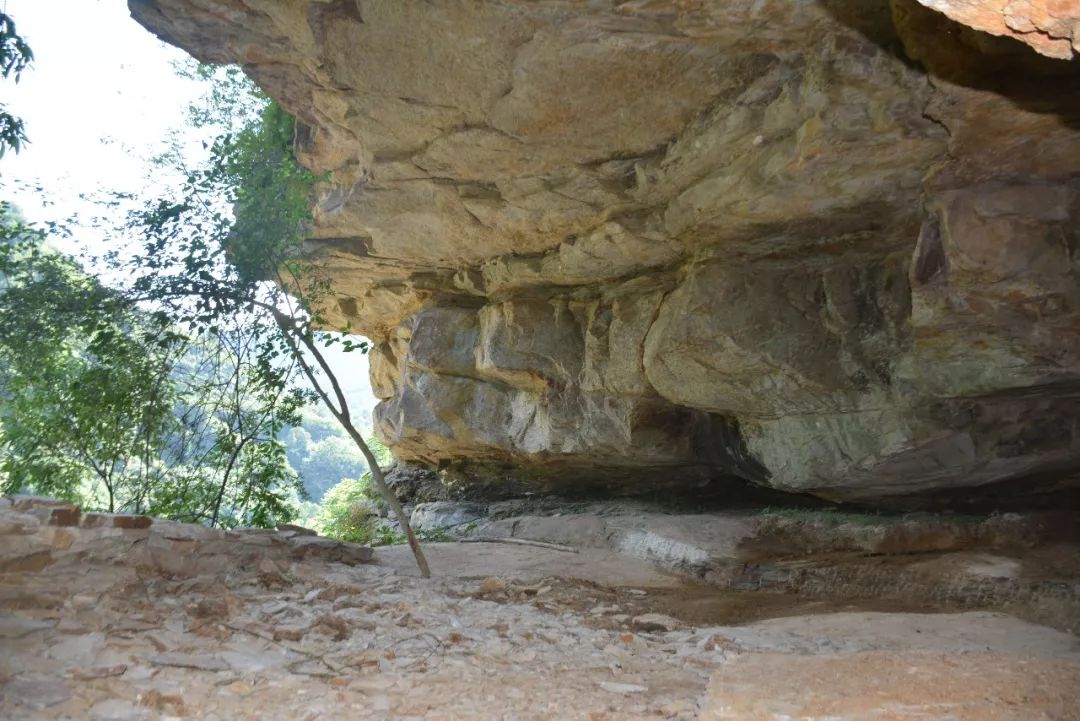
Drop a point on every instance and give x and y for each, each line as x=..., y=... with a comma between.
x=828, y=247
x=1022, y=564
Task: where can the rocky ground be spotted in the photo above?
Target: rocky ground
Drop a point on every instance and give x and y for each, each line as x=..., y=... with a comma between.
x=120, y=618
x=1025, y=564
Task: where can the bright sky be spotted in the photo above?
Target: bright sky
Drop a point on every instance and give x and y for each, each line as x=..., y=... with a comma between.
x=100, y=100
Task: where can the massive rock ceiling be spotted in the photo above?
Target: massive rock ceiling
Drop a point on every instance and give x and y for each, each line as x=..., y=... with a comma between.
x=829, y=246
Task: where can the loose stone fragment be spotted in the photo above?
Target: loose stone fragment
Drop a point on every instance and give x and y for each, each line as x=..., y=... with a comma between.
x=95, y=672
x=37, y=694
x=117, y=710
x=491, y=585
x=80, y=650
x=289, y=633
x=17, y=626
x=164, y=702
x=624, y=688
x=652, y=622
x=183, y=660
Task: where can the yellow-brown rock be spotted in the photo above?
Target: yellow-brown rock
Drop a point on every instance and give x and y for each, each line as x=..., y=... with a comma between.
x=822, y=246
x=1051, y=27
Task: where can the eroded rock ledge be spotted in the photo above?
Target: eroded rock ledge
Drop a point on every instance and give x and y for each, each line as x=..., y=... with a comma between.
x=823, y=246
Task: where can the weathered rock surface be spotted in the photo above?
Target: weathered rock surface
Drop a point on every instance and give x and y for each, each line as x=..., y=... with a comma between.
x=829, y=247
x=100, y=634
x=1023, y=564
x=36, y=531
x=1051, y=27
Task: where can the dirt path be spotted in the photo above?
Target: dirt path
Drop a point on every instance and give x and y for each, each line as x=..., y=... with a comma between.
x=204, y=628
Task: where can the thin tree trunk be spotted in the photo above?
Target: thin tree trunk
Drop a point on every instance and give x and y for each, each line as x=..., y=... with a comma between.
x=224, y=483
x=388, y=495
x=292, y=333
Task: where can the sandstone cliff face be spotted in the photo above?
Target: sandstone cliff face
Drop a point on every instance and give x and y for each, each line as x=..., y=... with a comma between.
x=823, y=246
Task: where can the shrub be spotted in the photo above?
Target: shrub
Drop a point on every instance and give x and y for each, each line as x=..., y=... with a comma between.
x=347, y=513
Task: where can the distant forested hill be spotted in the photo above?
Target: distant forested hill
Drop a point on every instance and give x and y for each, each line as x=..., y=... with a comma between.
x=319, y=450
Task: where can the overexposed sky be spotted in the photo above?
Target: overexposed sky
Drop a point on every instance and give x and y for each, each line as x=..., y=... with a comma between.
x=101, y=99
x=98, y=102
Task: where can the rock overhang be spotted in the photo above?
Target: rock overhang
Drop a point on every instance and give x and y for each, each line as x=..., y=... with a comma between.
x=825, y=246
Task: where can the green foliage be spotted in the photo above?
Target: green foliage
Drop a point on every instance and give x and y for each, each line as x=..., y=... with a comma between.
x=325, y=462
x=204, y=254
x=108, y=404
x=172, y=393
x=350, y=510
x=229, y=460
x=272, y=194
x=83, y=405
x=229, y=244
x=381, y=452
x=236, y=220
x=347, y=513
x=15, y=56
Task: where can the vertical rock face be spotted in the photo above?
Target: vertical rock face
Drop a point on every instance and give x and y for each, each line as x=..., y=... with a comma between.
x=823, y=246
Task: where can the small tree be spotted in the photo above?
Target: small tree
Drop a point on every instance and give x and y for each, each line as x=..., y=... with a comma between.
x=85, y=398
x=109, y=404
x=229, y=244
x=226, y=460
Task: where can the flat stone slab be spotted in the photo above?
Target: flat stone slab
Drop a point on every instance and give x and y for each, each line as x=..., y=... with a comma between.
x=18, y=627
x=116, y=520
x=37, y=694
x=327, y=549
x=527, y=563
x=885, y=684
